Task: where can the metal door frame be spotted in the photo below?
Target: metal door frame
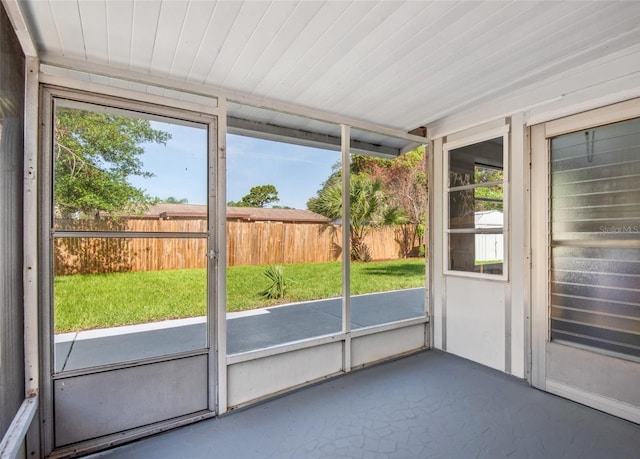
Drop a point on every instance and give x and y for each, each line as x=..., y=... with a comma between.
x=541, y=345
x=172, y=109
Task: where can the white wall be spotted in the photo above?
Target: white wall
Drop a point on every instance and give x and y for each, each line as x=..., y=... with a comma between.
x=485, y=319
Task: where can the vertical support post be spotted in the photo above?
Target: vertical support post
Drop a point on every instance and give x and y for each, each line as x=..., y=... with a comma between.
x=519, y=246
x=30, y=244
x=428, y=330
x=346, y=245
x=437, y=249
x=540, y=244
x=218, y=173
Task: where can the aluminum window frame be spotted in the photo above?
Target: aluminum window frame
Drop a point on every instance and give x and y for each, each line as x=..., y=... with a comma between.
x=504, y=133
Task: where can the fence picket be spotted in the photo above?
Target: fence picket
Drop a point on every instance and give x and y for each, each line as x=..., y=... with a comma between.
x=248, y=243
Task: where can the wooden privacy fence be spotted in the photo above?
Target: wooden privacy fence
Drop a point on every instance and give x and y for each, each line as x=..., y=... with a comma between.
x=248, y=243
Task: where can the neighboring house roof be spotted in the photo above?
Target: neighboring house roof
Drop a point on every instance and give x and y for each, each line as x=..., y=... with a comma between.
x=165, y=210
x=277, y=215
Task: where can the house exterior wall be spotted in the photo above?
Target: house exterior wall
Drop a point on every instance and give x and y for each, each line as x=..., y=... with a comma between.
x=483, y=318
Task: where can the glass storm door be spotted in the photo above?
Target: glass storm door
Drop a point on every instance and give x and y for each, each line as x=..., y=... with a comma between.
x=128, y=294
x=589, y=319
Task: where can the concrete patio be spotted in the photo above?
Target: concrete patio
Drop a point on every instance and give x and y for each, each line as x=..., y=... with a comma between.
x=246, y=331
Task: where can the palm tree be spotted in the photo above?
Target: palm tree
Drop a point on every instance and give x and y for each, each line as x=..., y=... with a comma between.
x=369, y=209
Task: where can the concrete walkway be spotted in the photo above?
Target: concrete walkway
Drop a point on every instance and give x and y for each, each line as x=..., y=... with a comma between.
x=246, y=331
x=429, y=405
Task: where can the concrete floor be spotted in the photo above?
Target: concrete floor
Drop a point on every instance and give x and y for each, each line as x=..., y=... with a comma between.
x=427, y=405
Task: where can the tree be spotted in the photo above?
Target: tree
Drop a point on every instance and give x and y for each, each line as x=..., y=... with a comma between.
x=405, y=181
x=369, y=207
x=259, y=196
x=172, y=200
x=489, y=197
x=94, y=155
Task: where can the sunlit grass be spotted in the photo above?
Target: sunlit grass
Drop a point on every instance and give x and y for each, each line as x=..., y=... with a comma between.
x=87, y=301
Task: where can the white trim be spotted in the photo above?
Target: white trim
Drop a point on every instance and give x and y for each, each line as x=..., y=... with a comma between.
x=235, y=96
x=345, y=149
x=321, y=340
x=30, y=230
x=95, y=88
x=608, y=405
x=12, y=441
x=501, y=131
x=20, y=27
x=374, y=329
x=594, y=118
x=519, y=244
x=592, y=104
x=113, y=440
x=477, y=138
x=218, y=342
x=285, y=348
x=539, y=255
x=436, y=229
x=127, y=329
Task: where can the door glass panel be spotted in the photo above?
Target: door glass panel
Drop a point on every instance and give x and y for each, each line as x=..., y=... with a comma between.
x=120, y=297
x=595, y=212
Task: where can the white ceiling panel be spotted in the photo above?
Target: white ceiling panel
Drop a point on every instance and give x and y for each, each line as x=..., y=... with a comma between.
x=273, y=20
x=196, y=23
x=264, y=67
x=94, y=29
x=120, y=16
x=222, y=19
x=392, y=63
x=166, y=37
x=146, y=17
x=67, y=18
x=292, y=56
x=233, y=45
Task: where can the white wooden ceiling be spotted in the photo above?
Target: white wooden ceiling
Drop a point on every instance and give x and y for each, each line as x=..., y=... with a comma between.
x=396, y=64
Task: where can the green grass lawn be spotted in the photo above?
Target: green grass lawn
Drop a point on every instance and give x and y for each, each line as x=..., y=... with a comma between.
x=87, y=301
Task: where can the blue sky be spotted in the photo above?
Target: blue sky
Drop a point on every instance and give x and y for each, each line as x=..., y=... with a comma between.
x=180, y=167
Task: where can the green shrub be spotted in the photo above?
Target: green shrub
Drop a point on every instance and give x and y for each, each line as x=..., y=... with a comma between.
x=278, y=283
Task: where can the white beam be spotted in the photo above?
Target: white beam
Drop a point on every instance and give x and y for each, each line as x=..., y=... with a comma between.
x=234, y=96
x=20, y=28
x=306, y=138
x=14, y=438
x=220, y=237
x=346, y=246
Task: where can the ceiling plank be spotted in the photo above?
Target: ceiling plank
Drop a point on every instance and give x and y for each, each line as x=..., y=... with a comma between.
x=220, y=23
x=168, y=31
x=146, y=17
x=93, y=16
x=196, y=23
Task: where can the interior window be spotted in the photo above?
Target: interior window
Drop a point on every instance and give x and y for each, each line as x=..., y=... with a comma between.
x=475, y=199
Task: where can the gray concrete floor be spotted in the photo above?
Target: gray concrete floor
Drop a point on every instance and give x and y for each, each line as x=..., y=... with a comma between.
x=427, y=405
